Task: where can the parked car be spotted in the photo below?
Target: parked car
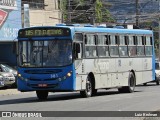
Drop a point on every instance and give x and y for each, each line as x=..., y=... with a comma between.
x=8, y=78
x=9, y=74
x=157, y=72
x=7, y=68
x=1, y=81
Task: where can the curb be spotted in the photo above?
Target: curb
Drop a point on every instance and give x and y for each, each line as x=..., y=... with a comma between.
x=9, y=92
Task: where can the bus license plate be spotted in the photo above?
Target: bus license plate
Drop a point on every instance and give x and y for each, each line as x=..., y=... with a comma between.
x=42, y=85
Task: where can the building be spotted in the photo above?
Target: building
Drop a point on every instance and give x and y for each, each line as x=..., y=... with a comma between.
x=43, y=12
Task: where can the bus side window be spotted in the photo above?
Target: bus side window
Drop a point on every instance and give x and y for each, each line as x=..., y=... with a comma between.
x=122, y=46
x=78, y=37
x=113, y=47
x=90, y=46
x=140, y=46
x=148, y=46
x=132, y=50
x=102, y=46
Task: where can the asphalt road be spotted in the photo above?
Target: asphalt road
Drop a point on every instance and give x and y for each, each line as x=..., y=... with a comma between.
x=145, y=98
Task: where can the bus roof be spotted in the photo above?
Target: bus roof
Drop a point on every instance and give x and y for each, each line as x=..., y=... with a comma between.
x=100, y=29
x=111, y=30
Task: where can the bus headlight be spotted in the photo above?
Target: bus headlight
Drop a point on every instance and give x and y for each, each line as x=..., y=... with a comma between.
x=22, y=78
x=19, y=75
x=66, y=76
x=69, y=74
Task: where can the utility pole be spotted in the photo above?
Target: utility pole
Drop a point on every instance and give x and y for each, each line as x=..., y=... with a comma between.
x=159, y=26
x=69, y=12
x=92, y=17
x=137, y=12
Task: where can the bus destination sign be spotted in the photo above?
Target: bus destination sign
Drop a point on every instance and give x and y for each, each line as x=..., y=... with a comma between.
x=40, y=32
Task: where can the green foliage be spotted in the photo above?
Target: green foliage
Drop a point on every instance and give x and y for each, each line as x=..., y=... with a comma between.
x=98, y=10
x=63, y=8
x=101, y=13
x=107, y=17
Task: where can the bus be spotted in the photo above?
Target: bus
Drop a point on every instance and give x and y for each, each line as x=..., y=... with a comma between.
x=66, y=58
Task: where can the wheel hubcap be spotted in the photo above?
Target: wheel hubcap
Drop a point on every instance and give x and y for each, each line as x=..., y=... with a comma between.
x=88, y=88
x=132, y=84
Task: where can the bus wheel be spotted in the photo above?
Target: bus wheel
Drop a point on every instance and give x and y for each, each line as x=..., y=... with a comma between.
x=144, y=84
x=42, y=94
x=121, y=90
x=157, y=82
x=88, y=91
x=131, y=83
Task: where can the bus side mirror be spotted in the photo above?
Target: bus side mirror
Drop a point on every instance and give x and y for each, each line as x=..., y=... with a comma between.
x=76, y=49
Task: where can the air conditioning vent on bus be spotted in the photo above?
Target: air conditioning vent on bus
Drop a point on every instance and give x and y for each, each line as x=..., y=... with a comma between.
x=100, y=26
x=61, y=24
x=88, y=25
x=75, y=25
x=119, y=27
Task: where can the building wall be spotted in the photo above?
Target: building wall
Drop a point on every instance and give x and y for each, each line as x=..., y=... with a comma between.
x=50, y=15
x=8, y=53
x=44, y=18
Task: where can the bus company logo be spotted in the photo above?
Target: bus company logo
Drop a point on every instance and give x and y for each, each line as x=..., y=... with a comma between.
x=3, y=16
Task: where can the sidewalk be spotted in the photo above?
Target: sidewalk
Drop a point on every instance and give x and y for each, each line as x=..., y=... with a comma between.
x=10, y=91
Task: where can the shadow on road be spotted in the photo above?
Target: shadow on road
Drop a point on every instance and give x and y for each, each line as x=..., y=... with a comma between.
x=57, y=97
x=147, y=85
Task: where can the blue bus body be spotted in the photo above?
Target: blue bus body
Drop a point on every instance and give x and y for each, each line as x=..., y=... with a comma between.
x=64, y=78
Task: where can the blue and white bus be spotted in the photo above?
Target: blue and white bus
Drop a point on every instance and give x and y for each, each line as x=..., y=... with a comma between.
x=85, y=59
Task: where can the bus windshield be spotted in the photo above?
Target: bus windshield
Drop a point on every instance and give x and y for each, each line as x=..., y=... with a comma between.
x=55, y=53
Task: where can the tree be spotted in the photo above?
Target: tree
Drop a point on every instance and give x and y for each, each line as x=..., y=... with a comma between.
x=85, y=11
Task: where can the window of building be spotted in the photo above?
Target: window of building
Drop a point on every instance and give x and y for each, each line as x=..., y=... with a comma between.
x=34, y=4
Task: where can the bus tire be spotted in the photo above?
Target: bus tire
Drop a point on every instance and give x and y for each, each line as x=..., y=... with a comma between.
x=131, y=83
x=144, y=84
x=42, y=94
x=121, y=90
x=88, y=91
x=157, y=82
